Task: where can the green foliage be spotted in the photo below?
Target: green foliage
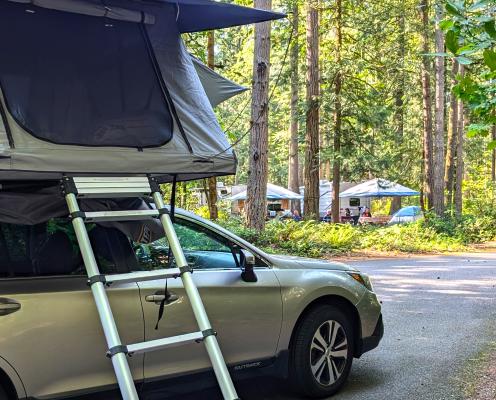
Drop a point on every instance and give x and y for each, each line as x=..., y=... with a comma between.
x=312, y=239
x=471, y=38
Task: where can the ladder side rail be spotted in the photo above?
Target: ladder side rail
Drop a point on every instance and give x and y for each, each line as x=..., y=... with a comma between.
x=119, y=360
x=211, y=344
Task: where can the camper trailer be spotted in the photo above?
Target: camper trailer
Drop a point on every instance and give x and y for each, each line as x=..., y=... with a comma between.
x=355, y=204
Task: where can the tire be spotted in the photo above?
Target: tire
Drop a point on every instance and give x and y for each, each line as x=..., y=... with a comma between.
x=315, y=352
x=3, y=394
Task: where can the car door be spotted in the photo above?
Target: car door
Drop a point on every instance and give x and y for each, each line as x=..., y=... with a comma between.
x=50, y=331
x=246, y=315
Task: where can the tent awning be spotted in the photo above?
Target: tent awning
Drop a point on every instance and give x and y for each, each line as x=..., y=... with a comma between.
x=191, y=15
x=217, y=87
x=203, y=15
x=274, y=192
x=378, y=188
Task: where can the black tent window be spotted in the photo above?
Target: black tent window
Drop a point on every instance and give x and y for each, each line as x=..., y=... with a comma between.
x=79, y=80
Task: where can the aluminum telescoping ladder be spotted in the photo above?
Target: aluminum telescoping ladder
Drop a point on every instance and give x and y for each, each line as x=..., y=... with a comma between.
x=125, y=187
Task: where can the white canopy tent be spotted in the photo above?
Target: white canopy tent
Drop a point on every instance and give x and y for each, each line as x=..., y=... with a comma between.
x=274, y=192
x=378, y=188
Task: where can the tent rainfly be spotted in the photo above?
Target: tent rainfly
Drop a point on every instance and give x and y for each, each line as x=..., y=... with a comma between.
x=378, y=188
x=274, y=192
x=92, y=89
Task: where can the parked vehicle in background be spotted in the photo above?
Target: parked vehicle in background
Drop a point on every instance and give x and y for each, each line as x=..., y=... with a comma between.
x=304, y=319
x=406, y=215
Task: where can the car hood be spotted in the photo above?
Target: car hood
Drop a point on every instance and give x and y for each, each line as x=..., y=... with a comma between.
x=292, y=262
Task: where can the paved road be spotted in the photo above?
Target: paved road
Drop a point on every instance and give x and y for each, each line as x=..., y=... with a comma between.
x=437, y=314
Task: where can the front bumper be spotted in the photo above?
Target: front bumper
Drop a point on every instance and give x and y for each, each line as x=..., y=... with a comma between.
x=371, y=342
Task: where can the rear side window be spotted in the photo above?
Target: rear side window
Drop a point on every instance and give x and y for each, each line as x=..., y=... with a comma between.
x=81, y=80
x=51, y=249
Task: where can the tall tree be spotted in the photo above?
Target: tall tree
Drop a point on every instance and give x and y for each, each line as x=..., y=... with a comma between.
x=459, y=153
x=399, y=94
x=338, y=85
x=293, y=171
x=212, y=181
x=427, y=104
x=449, y=173
x=438, y=148
x=311, y=172
x=256, y=202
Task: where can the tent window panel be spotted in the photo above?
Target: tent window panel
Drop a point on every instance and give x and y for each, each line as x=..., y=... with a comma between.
x=81, y=80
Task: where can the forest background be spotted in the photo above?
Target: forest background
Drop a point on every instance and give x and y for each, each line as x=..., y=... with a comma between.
x=349, y=90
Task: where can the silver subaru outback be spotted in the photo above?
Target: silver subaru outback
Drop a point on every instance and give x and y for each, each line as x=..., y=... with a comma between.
x=303, y=319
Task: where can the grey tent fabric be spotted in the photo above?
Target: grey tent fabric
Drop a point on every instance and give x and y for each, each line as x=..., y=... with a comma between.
x=33, y=203
x=191, y=15
x=95, y=10
x=79, y=88
x=198, y=147
x=217, y=87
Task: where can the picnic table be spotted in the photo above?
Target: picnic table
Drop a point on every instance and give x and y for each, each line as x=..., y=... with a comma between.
x=379, y=220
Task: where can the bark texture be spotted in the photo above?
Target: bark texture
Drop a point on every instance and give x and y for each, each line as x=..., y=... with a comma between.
x=427, y=107
x=311, y=171
x=459, y=153
x=212, y=181
x=293, y=172
x=438, y=148
x=449, y=173
x=256, y=202
x=338, y=85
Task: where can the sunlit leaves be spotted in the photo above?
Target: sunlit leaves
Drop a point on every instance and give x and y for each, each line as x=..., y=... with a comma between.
x=490, y=59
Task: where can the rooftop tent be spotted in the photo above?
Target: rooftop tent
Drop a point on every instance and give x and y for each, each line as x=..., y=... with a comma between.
x=378, y=188
x=92, y=91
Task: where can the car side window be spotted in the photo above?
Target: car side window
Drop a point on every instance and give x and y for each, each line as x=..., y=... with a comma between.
x=51, y=249
x=202, y=247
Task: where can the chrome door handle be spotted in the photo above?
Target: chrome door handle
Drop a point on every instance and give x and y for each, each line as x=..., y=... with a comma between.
x=160, y=296
x=8, y=306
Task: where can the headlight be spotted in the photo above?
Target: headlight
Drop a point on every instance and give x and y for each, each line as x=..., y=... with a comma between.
x=362, y=278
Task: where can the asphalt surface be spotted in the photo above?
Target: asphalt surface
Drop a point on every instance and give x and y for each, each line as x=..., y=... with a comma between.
x=439, y=311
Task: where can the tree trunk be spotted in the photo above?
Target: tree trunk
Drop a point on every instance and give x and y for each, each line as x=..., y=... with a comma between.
x=311, y=172
x=427, y=106
x=256, y=202
x=438, y=148
x=338, y=85
x=459, y=153
x=212, y=181
x=399, y=94
x=293, y=173
x=449, y=173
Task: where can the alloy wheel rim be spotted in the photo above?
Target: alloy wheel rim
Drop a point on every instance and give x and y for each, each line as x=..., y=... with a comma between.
x=328, y=353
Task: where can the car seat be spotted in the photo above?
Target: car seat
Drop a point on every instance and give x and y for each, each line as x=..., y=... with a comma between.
x=55, y=256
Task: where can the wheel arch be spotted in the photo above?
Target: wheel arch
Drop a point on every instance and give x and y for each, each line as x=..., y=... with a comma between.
x=10, y=381
x=342, y=303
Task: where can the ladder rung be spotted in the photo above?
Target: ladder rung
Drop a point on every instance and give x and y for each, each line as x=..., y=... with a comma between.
x=112, y=187
x=158, y=344
x=143, y=276
x=134, y=215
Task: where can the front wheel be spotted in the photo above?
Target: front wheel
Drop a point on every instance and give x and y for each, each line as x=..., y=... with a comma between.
x=322, y=352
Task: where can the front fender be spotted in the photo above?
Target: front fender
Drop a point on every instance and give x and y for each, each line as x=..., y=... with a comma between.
x=299, y=288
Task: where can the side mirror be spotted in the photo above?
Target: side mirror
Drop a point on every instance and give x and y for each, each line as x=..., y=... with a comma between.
x=247, y=264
